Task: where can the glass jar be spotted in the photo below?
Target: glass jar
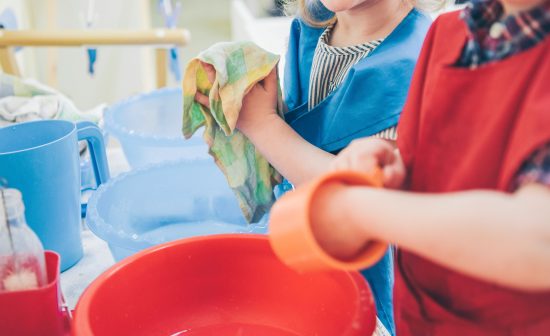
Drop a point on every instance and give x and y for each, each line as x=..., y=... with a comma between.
x=22, y=261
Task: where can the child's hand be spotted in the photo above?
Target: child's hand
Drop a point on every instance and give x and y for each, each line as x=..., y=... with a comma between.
x=367, y=154
x=259, y=104
x=211, y=74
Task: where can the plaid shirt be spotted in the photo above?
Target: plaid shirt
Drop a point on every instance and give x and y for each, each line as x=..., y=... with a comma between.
x=493, y=37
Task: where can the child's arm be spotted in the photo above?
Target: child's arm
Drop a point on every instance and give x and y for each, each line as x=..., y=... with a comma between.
x=289, y=153
x=502, y=238
x=286, y=150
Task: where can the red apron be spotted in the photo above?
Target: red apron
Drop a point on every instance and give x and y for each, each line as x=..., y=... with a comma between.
x=469, y=129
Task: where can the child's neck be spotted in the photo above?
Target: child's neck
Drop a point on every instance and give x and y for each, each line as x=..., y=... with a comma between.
x=514, y=8
x=369, y=21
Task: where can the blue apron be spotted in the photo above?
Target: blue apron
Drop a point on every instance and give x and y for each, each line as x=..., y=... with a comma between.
x=368, y=101
x=371, y=97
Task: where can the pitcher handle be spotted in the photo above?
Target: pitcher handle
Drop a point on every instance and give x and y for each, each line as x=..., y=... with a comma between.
x=91, y=133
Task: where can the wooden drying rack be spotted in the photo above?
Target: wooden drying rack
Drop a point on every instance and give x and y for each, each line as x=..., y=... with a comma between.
x=160, y=38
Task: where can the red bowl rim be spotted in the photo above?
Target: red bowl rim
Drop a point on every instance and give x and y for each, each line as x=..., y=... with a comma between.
x=81, y=322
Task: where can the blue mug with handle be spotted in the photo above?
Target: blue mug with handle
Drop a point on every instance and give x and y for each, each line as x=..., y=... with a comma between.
x=41, y=159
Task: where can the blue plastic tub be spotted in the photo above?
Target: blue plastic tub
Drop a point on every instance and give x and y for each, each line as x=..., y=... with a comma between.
x=148, y=127
x=164, y=202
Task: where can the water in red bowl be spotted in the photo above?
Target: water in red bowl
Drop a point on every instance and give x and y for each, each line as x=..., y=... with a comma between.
x=240, y=329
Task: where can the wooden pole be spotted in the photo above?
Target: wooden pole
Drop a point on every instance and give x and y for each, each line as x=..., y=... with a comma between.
x=77, y=38
x=8, y=62
x=162, y=65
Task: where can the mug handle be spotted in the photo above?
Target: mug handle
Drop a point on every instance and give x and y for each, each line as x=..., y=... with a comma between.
x=90, y=132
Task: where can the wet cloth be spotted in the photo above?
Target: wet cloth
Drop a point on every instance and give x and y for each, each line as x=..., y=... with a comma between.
x=238, y=66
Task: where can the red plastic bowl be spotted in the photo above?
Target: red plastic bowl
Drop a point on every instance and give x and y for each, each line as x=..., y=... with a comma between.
x=222, y=285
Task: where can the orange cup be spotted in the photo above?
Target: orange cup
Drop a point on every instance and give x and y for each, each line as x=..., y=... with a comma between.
x=292, y=238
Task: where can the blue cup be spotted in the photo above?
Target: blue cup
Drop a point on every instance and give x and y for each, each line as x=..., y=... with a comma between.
x=41, y=159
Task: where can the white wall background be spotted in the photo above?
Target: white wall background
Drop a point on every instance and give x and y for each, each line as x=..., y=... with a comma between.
x=124, y=71
x=120, y=71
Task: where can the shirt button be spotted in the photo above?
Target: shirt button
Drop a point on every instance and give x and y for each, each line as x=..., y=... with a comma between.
x=497, y=29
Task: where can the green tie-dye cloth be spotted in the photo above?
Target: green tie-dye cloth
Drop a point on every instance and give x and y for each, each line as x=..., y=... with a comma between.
x=238, y=66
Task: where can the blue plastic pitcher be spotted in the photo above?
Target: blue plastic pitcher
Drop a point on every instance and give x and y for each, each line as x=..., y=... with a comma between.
x=41, y=159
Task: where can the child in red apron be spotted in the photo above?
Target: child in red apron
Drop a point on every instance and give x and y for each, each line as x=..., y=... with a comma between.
x=473, y=227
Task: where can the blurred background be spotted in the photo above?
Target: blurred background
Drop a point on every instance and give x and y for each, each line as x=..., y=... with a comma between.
x=121, y=71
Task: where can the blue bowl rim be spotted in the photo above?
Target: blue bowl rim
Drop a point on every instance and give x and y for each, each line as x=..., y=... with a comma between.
x=123, y=133
x=129, y=241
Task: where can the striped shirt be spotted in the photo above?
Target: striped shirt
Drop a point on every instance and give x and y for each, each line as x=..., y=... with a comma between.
x=330, y=67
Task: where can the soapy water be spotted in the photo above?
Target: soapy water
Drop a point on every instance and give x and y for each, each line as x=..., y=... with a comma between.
x=157, y=230
x=185, y=229
x=236, y=329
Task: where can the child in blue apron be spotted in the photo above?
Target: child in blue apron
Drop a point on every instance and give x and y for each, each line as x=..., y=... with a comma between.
x=348, y=68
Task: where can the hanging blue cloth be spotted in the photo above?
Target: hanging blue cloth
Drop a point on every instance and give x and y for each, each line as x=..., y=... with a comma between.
x=171, y=14
x=92, y=57
x=371, y=97
x=175, y=67
x=92, y=52
x=8, y=21
x=368, y=101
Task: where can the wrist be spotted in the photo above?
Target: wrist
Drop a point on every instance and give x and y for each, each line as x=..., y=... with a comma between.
x=329, y=205
x=337, y=203
x=255, y=127
x=357, y=201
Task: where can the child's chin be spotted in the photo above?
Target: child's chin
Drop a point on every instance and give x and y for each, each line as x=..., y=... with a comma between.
x=342, y=5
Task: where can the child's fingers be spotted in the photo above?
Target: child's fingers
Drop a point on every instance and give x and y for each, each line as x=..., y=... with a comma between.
x=390, y=177
x=363, y=163
x=384, y=153
x=210, y=71
x=270, y=82
x=394, y=176
x=365, y=155
x=202, y=99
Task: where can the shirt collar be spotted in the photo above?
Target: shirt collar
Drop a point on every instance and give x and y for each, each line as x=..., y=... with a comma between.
x=482, y=15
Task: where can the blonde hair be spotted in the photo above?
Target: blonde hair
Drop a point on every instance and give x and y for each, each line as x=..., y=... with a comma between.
x=306, y=8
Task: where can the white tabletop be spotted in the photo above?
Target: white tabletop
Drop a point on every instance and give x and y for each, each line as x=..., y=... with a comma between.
x=97, y=256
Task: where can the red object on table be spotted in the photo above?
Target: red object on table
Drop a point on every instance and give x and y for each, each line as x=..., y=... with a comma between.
x=222, y=285
x=36, y=312
x=291, y=235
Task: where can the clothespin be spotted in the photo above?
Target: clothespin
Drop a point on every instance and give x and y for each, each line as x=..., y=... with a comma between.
x=92, y=52
x=8, y=21
x=171, y=14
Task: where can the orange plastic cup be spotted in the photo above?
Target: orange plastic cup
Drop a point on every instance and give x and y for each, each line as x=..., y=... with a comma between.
x=291, y=235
